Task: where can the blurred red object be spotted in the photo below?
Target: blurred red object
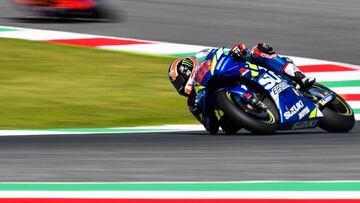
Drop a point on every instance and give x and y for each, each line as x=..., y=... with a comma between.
x=59, y=4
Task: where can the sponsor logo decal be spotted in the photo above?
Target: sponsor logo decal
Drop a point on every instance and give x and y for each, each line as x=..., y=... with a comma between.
x=304, y=112
x=294, y=109
x=269, y=80
x=280, y=87
x=328, y=98
x=305, y=124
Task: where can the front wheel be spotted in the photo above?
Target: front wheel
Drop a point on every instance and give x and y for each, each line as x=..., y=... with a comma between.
x=228, y=126
x=265, y=123
x=338, y=115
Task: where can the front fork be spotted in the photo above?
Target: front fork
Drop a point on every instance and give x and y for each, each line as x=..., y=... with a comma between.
x=248, y=97
x=202, y=102
x=243, y=92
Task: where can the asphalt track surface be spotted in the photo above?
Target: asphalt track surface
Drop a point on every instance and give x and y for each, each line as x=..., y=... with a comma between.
x=322, y=29
x=190, y=156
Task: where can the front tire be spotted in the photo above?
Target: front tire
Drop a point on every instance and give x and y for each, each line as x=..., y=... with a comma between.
x=228, y=126
x=251, y=123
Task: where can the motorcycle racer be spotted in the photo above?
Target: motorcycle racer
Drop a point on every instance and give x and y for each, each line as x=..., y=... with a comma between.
x=185, y=74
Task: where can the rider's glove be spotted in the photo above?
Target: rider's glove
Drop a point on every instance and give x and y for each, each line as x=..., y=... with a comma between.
x=240, y=51
x=193, y=105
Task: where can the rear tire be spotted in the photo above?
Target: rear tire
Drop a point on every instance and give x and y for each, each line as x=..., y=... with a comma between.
x=241, y=118
x=338, y=115
x=334, y=122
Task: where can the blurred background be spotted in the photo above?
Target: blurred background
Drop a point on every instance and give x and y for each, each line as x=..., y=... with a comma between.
x=326, y=29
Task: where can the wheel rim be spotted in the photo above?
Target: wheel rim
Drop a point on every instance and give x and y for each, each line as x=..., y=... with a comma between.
x=265, y=116
x=339, y=105
x=271, y=117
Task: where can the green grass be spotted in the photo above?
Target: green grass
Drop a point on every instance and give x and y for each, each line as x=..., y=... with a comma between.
x=54, y=86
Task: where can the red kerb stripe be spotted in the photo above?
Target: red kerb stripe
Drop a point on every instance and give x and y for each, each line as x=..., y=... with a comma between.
x=324, y=68
x=351, y=97
x=65, y=200
x=94, y=42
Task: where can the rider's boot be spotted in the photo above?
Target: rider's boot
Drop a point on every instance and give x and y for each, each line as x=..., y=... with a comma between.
x=303, y=80
x=293, y=72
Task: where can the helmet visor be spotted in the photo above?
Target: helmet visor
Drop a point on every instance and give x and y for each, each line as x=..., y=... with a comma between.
x=179, y=83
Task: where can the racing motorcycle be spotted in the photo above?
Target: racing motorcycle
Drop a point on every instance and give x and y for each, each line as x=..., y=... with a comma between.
x=287, y=107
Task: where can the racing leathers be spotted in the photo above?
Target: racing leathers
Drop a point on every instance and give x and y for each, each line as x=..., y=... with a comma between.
x=262, y=55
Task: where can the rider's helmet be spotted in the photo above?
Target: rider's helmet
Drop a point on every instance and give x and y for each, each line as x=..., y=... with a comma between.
x=179, y=74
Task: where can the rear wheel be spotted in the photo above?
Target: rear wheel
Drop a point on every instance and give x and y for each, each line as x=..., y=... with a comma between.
x=338, y=115
x=259, y=122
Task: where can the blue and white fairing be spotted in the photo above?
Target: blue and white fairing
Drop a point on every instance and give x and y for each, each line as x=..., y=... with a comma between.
x=295, y=110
